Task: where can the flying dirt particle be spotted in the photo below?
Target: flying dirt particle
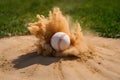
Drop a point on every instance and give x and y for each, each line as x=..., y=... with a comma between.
x=44, y=29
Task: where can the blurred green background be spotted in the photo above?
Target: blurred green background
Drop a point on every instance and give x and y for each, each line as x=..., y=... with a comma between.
x=99, y=16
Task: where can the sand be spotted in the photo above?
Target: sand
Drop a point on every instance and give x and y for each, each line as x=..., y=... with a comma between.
x=19, y=61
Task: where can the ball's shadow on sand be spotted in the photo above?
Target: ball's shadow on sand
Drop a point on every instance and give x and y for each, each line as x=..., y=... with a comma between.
x=33, y=58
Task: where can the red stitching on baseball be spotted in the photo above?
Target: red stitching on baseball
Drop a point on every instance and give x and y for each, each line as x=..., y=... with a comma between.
x=60, y=40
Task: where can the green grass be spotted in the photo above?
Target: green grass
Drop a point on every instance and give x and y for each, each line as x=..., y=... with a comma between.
x=99, y=16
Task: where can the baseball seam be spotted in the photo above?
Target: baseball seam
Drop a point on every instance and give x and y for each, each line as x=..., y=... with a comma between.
x=59, y=42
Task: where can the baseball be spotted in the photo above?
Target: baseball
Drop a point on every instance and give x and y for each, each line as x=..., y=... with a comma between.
x=60, y=41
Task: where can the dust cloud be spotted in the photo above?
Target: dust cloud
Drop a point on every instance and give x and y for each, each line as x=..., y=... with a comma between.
x=44, y=28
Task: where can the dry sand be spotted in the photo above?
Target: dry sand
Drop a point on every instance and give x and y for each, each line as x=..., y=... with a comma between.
x=19, y=61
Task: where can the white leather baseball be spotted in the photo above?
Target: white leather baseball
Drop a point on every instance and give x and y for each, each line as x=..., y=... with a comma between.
x=60, y=41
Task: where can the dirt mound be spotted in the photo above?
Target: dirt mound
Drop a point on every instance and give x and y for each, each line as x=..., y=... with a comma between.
x=19, y=61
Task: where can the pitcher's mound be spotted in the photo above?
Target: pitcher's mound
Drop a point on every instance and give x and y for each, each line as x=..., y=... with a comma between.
x=19, y=61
